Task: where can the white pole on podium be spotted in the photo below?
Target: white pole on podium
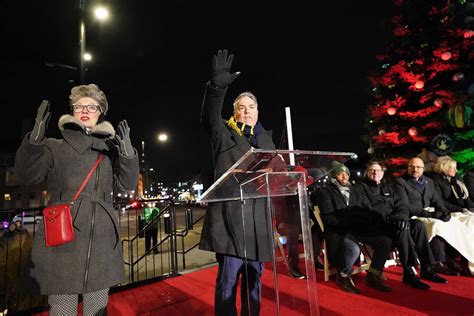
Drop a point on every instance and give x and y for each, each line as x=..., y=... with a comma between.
x=289, y=132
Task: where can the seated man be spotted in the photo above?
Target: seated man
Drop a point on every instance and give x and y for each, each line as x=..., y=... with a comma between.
x=348, y=221
x=419, y=193
x=409, y=236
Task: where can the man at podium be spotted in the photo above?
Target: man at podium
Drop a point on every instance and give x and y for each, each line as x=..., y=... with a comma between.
x=238, y=254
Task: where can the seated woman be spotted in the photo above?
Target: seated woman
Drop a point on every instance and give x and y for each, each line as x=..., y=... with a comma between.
x=455, y=196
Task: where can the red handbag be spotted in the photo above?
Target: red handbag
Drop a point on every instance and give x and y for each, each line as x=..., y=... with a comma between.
x=58, y=228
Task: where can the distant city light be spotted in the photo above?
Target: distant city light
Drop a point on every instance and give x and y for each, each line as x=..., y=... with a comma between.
x=87, y=57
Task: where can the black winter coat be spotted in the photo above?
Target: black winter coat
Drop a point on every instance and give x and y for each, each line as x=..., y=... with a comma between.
x=94, y=260
x=445, y=190
x=223, y=231
x=468, y=179
x=417, y=199
x=346, y=221
x=384, y=201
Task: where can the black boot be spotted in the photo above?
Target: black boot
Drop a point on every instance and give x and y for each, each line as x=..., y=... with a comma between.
x=346, y=284
x=296, y=273
x=414, y=281
x=429, y=274
x=375, y=281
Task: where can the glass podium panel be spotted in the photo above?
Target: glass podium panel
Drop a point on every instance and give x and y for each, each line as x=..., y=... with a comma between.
x=280, y=178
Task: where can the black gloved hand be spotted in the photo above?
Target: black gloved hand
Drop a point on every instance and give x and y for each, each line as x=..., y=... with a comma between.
x=123, y=139
x=221, y=64
x=401, y=225
x=41, y=122
x=444, y=216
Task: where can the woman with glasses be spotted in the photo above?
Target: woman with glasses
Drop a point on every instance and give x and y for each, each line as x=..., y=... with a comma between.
x=93, y=262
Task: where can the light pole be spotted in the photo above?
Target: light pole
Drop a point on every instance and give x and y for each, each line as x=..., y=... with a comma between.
x=101, y=13
x=82, y=41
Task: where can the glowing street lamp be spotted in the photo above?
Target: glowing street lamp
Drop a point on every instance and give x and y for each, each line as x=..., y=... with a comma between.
x=162, y=137
x=101, y=13
x=87, y=57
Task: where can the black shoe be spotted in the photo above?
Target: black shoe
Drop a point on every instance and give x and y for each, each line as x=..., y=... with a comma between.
x=318, y=265
x=456, y=267
x=295, y=273
x=376, y=282
x=415, y=282
x=430, y=275
x=346, y=284
x=441, y=268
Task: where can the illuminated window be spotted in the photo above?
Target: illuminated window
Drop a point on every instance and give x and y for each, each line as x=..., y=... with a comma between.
x=7, y=197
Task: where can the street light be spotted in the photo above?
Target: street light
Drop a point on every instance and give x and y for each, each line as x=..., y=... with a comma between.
x=162, y=137
x=101, y=13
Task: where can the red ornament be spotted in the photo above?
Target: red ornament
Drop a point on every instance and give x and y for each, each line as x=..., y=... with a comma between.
x=446, y=56
x=413, y=131
x=468, y=34
x=391, y=110
x=438, y=103
x=419, y=84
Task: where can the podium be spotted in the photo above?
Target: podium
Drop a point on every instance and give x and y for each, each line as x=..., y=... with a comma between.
x=280, y=179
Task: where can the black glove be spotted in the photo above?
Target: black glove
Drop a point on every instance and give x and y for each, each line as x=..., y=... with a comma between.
x=41, y=122
x=444, y=216
x=123, y=139
x=401, y=225
x=221, y=64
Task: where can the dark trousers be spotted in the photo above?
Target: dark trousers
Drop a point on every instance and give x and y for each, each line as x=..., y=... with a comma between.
x=382, y=246
x=228, y=274
x=293, y=232
x=151, y=233
x=317, y=238
x=412, y=244
x=442, y=251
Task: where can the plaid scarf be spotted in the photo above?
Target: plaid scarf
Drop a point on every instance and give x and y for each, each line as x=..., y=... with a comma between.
x=249, y=131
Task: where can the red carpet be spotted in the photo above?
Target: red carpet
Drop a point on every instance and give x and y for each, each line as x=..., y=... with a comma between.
x=193, y=294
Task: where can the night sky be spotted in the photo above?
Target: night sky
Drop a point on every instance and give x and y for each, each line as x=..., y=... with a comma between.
x=152, y=59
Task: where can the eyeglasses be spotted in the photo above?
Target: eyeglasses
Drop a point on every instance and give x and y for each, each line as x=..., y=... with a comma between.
x=375, y=170
x=416, y=167
x=91, y=108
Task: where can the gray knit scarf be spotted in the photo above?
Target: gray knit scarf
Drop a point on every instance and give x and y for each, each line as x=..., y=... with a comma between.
x=345, y=190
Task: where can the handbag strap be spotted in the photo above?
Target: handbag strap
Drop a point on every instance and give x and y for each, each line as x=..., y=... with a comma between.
x=97, y=162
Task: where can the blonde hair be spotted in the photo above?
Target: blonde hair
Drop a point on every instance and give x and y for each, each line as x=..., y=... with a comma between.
x=444, y=163
x=242, y=95
x=90, y=91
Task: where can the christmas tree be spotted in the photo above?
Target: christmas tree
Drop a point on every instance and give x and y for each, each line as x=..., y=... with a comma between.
x=424, y=88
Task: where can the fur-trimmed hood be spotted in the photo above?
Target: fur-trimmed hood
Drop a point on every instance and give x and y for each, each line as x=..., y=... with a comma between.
x=103, y=129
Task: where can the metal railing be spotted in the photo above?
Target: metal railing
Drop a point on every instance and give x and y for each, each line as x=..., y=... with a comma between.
x=160, y=261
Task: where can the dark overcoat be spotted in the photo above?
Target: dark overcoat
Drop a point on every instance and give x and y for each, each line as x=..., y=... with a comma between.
x=223, y=230
x=383, y=199
x=468, y=179
x=94, y=260
x=343, y=220
x=445, y=189
x=416, y=198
